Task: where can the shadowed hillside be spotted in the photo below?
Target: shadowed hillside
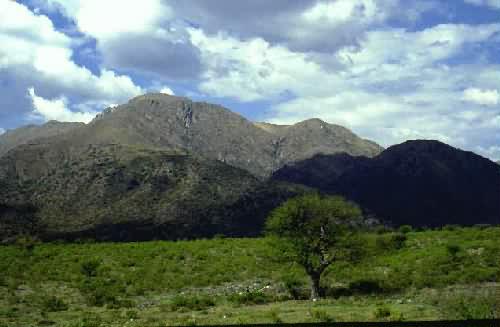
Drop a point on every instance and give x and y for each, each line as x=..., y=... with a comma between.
x=421, y=183
x=116, y=192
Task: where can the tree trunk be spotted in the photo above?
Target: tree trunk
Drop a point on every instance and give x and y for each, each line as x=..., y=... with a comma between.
x=315, y=288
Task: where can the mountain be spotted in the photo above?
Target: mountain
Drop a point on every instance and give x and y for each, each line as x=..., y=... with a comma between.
x=211, y=131
x=117, y=192
x=158, y=166
x=421, y=183
x=27, y=134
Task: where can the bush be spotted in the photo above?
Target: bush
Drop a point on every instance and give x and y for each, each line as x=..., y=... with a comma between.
x=99, y=292
x=388, y=242
x=89, y=268
x=295, y=287
x=321, y=316
x=405, y=229
x=54, y=304
x=26, y=243
x=453, y=250
x=194, y=303
x=365, y=286
x=382, y=312
x=132, y=314
x=250, y=297
x=469, y=306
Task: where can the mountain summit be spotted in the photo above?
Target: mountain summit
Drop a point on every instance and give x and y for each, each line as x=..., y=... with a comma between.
x=176, y=123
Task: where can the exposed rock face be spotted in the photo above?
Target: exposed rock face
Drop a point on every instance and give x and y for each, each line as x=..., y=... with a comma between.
x=211, y=131
x=421, y=183
x=31, y=133
x=115, y=192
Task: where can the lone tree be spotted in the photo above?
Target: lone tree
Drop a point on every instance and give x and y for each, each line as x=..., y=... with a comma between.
x=314, y=231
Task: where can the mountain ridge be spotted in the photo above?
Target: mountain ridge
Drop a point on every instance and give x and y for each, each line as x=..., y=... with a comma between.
x=175, y=123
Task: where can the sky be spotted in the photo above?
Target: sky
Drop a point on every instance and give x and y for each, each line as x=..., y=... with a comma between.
x=390, y=70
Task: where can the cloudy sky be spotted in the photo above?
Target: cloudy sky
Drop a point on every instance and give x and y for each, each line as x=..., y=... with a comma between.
x=390, y=70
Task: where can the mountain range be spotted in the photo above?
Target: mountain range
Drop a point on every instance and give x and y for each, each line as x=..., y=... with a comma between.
x=166, y=167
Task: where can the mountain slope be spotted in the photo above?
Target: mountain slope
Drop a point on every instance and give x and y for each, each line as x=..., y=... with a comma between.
x=115, y=192
x=26, y=134
x=421, y=183
x=213, y=132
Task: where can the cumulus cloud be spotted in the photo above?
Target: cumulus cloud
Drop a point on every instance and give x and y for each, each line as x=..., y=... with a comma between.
x=161, y=46
x=57, y=109
x=482, y=97
x=306, y=25
x=167, y=90
x=35, y=54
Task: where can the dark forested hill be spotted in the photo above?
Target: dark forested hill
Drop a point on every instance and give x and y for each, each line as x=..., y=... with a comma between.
x=115, y=192
x=421, y=183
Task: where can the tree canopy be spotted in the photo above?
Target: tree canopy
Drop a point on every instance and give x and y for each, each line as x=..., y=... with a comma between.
x=315, y=231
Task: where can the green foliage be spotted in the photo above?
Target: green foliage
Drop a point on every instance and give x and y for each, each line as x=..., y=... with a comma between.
x=132, y=314
x=393, y=241
x=295, y=286
x=321, y=316
x=275, y=317
x=453, y=250
x=26, y=243
x=99, y=292
x=469, y=306
x=405, y=229
x=315, y=231
x=54, y=304
x=365, y=286
x=250, y=298
x=382, y=312
x=193, y=303
x=143, y=274
x=89, y=268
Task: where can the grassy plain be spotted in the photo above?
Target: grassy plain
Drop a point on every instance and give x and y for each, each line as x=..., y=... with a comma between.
x=440, y=274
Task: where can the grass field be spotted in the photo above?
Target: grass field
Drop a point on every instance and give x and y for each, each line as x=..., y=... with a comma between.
x=441, y=274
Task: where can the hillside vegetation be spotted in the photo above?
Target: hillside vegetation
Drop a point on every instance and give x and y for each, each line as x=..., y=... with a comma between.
x=449, y=273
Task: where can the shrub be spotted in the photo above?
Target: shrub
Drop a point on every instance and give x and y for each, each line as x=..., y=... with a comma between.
x=26, y=243
x=99, y=292
x=195, y=303
x=453, y=250
x=382, y=312
x=405, y=229
x=365, y=286
x=321, y=316
x=132, y=314
x=54, y=304
x=469, y=306
x=275, y=316
x=394, y=241
x=450, y=227
x=89, y=268
x=295, y=287
x=250, y=297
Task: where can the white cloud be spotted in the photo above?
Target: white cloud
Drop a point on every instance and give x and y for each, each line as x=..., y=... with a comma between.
x=492, y=151
x=490, y=3
x=35, y=54
x=2, y=131
x=57, y=109
x=143, y=36
x=254, y=69
x=106, y=19
x=167, y=90
x=482, y=97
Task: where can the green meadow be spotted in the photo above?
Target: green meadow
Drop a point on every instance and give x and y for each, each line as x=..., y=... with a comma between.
x=451, y=273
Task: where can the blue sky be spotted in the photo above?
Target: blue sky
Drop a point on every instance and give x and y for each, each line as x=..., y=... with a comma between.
x=390, y=70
